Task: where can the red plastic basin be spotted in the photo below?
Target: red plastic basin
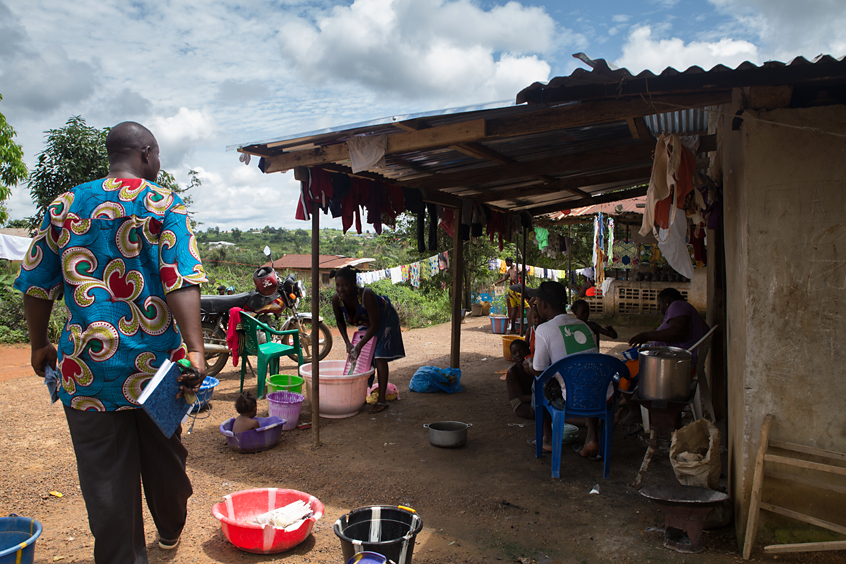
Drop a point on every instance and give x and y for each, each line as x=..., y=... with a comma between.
x=239, y=507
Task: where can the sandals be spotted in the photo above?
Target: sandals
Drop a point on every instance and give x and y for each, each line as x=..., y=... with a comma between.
x=378, y=407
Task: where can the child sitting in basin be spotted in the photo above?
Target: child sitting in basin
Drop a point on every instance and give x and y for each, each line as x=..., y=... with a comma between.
x=247, y=407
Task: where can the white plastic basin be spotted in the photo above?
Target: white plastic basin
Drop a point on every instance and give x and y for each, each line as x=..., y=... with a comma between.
x=340, y=395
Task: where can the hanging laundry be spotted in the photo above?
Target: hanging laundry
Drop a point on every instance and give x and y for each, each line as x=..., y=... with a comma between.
x=448, y=222
x=415, y=275
x=405, y=272
x=674, y=247
x=625, y=255
x=432, y=209
x=340, y=189
x=672, y=179
x=396, y=275
x=443, y=260
x=542, y=236
x=367, y=151
x=610, y=245
x=433, y=266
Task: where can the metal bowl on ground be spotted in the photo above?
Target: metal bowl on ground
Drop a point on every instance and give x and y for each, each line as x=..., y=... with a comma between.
x=570, y=432
x=448, y=434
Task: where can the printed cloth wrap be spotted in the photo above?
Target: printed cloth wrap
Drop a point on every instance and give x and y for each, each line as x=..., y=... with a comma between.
x=113, y=248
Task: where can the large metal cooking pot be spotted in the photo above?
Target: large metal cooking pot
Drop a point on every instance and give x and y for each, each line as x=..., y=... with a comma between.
x=448, y=434
x=664, y=373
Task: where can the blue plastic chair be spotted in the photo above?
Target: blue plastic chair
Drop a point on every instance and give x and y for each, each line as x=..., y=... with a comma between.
x=586, y=377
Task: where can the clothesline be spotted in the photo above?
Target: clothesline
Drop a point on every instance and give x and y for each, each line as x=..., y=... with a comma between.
x=407, y=272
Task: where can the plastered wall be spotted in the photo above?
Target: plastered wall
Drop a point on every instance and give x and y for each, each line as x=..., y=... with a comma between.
x=785, y=238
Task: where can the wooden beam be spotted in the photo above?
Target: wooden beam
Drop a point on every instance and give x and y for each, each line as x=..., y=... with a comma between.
x=828, y=468
x=601, y=111
x=806, y=482
x=804, y=518
x=625, y=154
x=805, y=547
x=423, y=139
x=567, y=184
x=809, y=450
x=573, y=204
x=757, y=485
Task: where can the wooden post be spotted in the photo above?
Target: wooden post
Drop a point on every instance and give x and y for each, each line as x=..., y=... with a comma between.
x=757, y=482
x=457, y=280
x=523, y=284
x=315, y=330
x=569, y=259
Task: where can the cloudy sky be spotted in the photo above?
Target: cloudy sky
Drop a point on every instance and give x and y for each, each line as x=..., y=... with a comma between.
x=206, y=74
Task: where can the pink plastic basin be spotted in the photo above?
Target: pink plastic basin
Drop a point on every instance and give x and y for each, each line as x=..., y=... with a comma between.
x=340, y=395
x=239, y=507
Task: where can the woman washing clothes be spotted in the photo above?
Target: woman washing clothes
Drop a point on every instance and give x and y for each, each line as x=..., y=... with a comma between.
x=361, y=307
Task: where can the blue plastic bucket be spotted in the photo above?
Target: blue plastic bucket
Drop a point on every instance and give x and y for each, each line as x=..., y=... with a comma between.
x=205, y=394
x=17, y=539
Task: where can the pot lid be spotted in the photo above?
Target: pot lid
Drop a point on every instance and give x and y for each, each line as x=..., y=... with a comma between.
x=670, y=353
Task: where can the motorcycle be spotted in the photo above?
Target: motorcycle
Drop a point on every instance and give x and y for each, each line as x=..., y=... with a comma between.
x=269, y=301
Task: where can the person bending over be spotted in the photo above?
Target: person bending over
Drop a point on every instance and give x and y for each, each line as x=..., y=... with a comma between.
x=247, y=409
x=518, y=380
x=374, y=314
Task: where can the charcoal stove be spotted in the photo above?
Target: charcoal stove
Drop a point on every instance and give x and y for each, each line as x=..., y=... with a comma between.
x=685, y=508
x=664, y=418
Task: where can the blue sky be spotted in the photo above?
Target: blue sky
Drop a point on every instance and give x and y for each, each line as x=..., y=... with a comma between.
x=206, y=74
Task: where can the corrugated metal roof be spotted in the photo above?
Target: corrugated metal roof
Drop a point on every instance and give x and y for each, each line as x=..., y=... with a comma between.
x=580, y=140
x=602, y=81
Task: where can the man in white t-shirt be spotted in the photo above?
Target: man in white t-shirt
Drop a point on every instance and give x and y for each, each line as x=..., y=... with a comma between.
x=559, y=337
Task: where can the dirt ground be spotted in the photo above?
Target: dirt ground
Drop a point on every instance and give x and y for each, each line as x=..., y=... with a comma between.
x=491, y=500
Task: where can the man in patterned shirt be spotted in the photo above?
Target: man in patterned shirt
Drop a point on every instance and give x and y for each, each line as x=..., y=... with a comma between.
x=121, y=252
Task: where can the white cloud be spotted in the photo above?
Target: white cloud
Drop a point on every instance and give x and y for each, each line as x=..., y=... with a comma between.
x=179, y=134
x=435, y=49
x=641, y=51
x=788, y=28
x=620, y=18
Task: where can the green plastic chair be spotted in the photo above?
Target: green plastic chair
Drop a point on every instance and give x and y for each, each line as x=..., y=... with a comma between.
x=267, y=350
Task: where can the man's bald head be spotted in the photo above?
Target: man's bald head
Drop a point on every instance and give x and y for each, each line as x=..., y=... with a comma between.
x=133, y=151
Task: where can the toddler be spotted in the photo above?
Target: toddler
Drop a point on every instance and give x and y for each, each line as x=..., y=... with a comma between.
x=247, y=408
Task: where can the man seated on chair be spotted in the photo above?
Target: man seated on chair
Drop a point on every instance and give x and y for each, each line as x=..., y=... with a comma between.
x=562, y=335
x=683, y=327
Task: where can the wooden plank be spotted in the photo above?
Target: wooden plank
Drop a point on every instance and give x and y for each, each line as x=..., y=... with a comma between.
x=314, y=396
x=603, y=199
x=600, y=111
x=638, y=173
x=805, y=547
x=828, y=468
x=572, y=163
x=757, y=483
x=483, y=153
x=633, y=128
x=431, y=138
x=804, y=518
x=806, y=481
x=809, y=450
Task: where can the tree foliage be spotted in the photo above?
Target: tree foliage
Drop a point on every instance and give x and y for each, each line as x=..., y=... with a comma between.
x=75, y=153
x=12, y=168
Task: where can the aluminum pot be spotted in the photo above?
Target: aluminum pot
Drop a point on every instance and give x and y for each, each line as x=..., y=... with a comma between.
x=448, y=434
x=664, y=373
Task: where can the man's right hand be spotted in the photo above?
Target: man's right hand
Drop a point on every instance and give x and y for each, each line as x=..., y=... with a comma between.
x=42, y=357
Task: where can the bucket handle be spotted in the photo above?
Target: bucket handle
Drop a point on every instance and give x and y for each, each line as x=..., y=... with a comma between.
x=425, y=425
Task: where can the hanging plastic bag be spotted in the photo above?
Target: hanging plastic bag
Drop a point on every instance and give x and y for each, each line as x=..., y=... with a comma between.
x=434, y=379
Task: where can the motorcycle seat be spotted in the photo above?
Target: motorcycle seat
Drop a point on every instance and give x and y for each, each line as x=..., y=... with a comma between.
x=222, y=304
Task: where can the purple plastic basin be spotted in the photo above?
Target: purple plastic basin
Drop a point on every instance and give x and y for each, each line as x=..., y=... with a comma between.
x=254, y=440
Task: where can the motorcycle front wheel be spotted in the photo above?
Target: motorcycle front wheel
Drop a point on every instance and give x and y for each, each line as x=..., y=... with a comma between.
x=214, y=334
x=305, y=328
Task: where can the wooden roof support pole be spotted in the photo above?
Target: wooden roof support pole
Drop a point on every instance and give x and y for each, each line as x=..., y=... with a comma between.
x=457, y=283
x=522, y=285
x=315, y=316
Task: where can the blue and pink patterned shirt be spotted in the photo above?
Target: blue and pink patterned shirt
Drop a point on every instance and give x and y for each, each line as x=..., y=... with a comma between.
x=113, y=248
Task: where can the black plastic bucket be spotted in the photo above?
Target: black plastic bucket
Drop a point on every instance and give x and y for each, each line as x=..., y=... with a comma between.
x=385, y=529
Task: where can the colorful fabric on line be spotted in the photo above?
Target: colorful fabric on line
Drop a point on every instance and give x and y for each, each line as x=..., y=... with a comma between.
x=625, y=255
x=114, y=248
x=433, y=266
x=405, y=272
x=415, y=275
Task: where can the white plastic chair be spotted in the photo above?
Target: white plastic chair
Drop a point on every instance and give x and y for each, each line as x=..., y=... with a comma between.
x=703, y=389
